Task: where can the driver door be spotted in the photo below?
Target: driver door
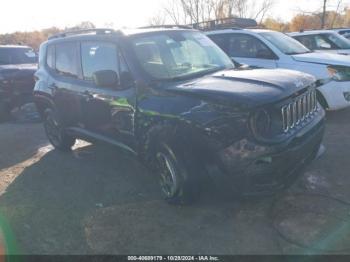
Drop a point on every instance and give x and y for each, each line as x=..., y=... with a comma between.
x=107, y=111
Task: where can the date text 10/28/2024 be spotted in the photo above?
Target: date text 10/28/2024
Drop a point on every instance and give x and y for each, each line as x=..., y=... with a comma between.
x=173, y=258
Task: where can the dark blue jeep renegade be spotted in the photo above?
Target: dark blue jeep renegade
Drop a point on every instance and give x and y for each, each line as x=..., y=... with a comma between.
x=174, y=99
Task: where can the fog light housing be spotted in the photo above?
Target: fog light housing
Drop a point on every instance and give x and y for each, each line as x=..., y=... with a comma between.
x=347, y=96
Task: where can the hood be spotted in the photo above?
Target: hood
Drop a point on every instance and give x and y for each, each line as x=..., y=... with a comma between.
x=33, y=67
x=247, y=88
x=338, y=51
x=17, y=77
x=343, y=51
x=17, y=71
x=323, y=58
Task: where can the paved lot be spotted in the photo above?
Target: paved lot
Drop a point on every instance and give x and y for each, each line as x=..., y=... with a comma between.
x=97, y=200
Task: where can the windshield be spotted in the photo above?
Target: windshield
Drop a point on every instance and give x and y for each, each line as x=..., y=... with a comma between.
x=179, y=54
x=335, y=41
x=284, y=43
x=16, y=56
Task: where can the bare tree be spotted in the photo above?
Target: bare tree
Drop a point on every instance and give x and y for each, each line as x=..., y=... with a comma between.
x=196, y=11
x=158, y=19
x=249, y=8
x=263, y=9
x=335, y=16
x=176, y=12
x=323, y=19
x=323, y=12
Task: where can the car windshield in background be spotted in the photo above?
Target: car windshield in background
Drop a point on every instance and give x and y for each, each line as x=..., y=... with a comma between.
x=284, y=43
x=336, y=41
x=173, y=55
x=16, y=56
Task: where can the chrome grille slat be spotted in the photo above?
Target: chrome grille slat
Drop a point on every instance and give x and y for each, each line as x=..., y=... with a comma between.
x=301, y=109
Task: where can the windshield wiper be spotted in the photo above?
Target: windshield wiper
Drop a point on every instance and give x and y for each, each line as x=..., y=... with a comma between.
x=297, y=53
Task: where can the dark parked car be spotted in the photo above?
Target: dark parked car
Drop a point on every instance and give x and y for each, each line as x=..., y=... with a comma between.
x=174, y=99
x=17, y=67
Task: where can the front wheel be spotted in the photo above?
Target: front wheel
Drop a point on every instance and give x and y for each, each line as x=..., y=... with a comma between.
x=178, y=178
x=55, y=133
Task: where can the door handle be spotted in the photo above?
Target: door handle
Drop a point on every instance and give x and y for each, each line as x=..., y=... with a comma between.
x=53, y=86
x=88, y=96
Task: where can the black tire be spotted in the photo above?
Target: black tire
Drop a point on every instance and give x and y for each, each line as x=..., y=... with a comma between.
x=5, y=112
x=55, y=132
x=178, y=174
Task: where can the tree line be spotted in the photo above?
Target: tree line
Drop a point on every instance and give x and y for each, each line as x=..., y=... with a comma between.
x=35, y=38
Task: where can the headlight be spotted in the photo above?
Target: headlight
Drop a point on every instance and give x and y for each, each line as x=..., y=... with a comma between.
x=339, y=73
x=261, y=123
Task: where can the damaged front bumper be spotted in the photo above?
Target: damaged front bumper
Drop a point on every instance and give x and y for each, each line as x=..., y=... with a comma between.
x=249, y=168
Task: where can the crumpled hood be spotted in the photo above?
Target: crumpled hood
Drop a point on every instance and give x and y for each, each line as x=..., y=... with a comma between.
x=247, y=88
x=19, y=67
x=10, y=71
x=19, y=77
x=323, y=58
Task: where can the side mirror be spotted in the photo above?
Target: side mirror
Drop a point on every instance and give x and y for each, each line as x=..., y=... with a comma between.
x=105, y=78
x=325, y=46
x=265, y=54
x=236, y=64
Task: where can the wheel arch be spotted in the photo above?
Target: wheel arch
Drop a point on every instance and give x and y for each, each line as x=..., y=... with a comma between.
x=179, y=133
x=42, y=103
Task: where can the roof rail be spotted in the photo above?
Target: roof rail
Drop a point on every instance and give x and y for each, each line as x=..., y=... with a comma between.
x=83, y=31
x=226, y=23
x=166, y=26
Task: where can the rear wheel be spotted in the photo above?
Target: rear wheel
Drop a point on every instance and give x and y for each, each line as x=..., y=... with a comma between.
x=56, y=133
x=178, y=178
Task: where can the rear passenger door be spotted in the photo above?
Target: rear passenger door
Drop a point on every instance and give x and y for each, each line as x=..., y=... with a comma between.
x=246, y=49
x=62, y=62
x=107, y=111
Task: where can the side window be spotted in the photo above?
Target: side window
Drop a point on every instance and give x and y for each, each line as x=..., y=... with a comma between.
x=247, y=46
x=66, y=59
x=221, y=41
x=98, y=56
x=323, y=43
x=308, y=41
x=50, y=57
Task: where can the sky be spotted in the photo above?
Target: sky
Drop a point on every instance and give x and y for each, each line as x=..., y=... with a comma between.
x=25, y=15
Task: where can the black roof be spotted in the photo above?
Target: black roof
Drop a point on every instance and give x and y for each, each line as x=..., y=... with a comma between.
x=226, y=23
x=112, y=32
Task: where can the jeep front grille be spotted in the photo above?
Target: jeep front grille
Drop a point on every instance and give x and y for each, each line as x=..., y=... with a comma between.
x=300, y=110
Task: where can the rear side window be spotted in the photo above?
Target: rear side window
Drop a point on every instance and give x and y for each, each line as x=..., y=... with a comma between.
x=50, y=57
x=66, y=59
x=241, y=45
x=98, y=56
x=307, y=41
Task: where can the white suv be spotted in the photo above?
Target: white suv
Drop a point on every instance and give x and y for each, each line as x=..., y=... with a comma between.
x=323, y=41
x=342, y=31
x=270, y=49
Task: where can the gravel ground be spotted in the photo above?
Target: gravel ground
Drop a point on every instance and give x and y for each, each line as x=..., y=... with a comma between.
x=97, y=200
